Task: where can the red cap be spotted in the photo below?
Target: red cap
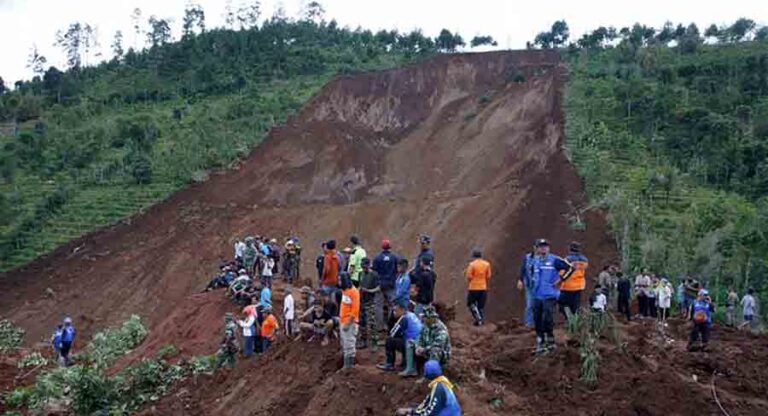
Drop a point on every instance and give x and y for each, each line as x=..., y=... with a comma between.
x=385, y=244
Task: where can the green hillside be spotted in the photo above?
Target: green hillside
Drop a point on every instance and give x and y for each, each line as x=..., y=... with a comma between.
x=671, y=136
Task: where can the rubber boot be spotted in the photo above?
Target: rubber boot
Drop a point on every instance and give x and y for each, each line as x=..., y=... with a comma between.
x=539, y=346
x=410, y=368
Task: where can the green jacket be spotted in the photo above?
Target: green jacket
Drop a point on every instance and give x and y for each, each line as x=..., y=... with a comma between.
x=435, y=339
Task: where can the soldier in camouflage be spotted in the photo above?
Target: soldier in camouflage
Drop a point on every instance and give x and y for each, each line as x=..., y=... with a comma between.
x=228, y=351
x=433, y=342
x=370, y=289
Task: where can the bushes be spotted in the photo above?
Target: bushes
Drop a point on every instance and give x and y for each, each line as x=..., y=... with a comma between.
x=10, y=335
x=108, y=345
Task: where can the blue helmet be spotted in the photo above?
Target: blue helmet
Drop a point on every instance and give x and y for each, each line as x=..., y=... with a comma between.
x=432, y=369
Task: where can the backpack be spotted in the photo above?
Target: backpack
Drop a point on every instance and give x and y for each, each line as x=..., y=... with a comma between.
x=700, y=317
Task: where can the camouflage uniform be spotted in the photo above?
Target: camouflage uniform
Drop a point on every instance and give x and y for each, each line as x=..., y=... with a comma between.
x=434, y=339
x=370, y=330
x=228, y=351
x=249, y=255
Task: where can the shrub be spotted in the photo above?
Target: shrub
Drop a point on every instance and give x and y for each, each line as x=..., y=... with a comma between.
x=10, y=335
x=32, y=360
x=110, y=344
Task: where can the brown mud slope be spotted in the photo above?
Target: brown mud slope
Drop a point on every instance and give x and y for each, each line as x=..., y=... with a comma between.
x=452, y=146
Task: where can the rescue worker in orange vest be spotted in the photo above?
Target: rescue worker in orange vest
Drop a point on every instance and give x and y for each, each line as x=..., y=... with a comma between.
x=478, y=275
x=570, y=290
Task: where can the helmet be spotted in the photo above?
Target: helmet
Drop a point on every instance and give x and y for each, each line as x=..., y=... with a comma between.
x=432, y=369
x=703, y=292
x=541, y=242
x=68, y=320
x=425, y=239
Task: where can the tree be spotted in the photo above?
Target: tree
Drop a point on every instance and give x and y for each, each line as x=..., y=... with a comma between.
x=690, y=40
x=314, y=12
x=740, y=29
x=72, y=42
x=448, y=42
x=3, y=88
x=248, y=15
x=482, y=40
x=762, y=34
x=35, y=61
x=194, y=17
x=137, y=30
x=712, y=31
x=555, y=37
x=229, y=15
x=117, y=45
x=160, y=31
x=90, y=42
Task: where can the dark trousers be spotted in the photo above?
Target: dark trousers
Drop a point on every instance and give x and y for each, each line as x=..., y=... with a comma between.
x=265, y=343
x=543, y=317
x=699, y=330
x=642, y=304
x=65, y=348
x=652, y=307
x=477, y=298
x=624, y=306
x=392, y=346
x=570, y=300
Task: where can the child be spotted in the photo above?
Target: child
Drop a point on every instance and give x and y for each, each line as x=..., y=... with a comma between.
x=701, y=315
x=268, y=329
x=56, y=341
x=598, y=300
x=748, y=308
x=268, y=264
x=288, y=311
x=664, y=296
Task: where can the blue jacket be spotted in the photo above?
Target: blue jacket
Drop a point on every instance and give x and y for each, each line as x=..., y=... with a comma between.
x=68, y=334
x=703, y=307
x=403, y=288
x=409, y=326
x=266, y=297
x=440, y=402
x=540, y=275
x=385, y=264
x=56, y=340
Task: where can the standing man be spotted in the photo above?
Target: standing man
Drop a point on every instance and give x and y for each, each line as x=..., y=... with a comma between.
x=478, y=275
x=425, y=252
x=239, y=251
x=403, y=283
x=730, y=307
x=385, y=264
x=67, y=340
x=369, y=291
x=250, y=253
x=355, y=260
x=349, y=317
x=546, y=279
x=701, y=315
x=605, y=280
x=570, y=290
x=748, y=308
x=423, y=280
x=642, y=286
x=291, y=263
x=526, y=281
x=331, y=267
x=624, y=289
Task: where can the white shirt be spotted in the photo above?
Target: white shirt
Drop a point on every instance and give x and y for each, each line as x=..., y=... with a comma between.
x=600, y=302
x=269, y=263
x=665, y=296
x=247, y=325
x=288, y=307
x=239, y=249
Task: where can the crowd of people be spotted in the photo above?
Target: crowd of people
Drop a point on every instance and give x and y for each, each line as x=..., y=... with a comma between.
x=549, y=280
x=359, y=301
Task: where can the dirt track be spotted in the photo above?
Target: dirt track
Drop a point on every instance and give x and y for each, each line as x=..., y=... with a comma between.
x=453, y=147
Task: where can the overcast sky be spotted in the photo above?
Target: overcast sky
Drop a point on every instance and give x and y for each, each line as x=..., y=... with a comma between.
x=24, y=23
